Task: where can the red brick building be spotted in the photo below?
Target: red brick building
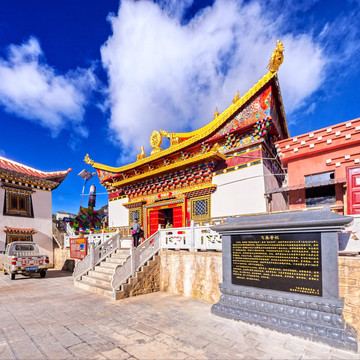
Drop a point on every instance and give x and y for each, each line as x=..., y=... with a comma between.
x=323, y=168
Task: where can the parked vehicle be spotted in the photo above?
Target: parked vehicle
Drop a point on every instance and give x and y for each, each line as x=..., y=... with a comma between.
x=23, y=257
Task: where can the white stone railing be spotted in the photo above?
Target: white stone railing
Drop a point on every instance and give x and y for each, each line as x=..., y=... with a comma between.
x=138, y=257
x=96, y=255
x=69, y=230
x=96, y=239
x=190, y=238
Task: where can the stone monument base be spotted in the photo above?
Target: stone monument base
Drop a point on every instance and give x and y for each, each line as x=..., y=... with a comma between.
x=309, y=317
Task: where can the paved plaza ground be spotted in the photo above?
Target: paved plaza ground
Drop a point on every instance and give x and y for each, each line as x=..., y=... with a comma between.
x=51, y=319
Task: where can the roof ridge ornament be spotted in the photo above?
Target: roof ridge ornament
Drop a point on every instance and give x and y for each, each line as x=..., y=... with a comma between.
x=88, y=160
x=174, y=140
x=141, y=155
x=277, y=57
x=216, y=113
x=237, y=97
x=155, y=142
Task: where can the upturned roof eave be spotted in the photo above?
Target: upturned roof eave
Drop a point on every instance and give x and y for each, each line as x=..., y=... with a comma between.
x=200, y=134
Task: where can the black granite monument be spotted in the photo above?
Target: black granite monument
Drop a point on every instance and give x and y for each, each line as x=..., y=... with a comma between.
x=281, y=271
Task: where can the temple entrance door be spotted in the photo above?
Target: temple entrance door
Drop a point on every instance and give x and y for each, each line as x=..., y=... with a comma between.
x=177, y=217
x=157, y=217
x=353, y=184
x=172, y=215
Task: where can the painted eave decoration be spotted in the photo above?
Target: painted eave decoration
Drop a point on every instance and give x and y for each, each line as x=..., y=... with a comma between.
x=180, y=141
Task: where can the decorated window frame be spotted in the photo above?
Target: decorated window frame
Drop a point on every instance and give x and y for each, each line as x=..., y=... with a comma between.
x=200, y=207
x=135, y=213
x=18, y=202
x=18, y=237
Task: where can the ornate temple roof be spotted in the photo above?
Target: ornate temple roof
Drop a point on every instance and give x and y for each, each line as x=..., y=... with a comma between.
x=180, y=141
x=12, y=167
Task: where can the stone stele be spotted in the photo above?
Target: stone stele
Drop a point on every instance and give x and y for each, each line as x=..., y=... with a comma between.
x=280, y=271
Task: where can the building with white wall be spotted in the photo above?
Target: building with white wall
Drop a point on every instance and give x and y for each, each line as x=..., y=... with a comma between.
x=223, y=169
x=25, y=197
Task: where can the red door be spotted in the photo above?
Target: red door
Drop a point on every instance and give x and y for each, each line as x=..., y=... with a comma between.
x=177, y=217
x=157, y=218
x=353, y=185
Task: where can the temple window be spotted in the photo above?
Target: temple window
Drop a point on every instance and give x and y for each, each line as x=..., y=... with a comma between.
x=17, y=237
x=320, y=189
x=18, y=202
x=320, y=196
x=135, y=213
x=200, y=208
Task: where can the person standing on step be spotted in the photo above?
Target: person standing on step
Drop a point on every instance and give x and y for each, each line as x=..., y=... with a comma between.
x=135, y=232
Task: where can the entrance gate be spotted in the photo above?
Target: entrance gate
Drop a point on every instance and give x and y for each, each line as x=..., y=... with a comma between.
x=161, y=215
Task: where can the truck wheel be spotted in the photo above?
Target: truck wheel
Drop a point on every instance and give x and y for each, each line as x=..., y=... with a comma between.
x=42, y=273
x=12, y=276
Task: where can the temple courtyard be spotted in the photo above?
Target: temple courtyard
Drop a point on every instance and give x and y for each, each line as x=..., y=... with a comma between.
x=51, y=319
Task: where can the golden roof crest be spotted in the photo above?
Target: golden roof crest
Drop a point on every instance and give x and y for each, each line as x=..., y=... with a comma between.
x=277, y=57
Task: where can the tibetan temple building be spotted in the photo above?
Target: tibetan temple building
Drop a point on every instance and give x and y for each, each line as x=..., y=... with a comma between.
x=222, y=169
x=25, y=195
x=323, y=168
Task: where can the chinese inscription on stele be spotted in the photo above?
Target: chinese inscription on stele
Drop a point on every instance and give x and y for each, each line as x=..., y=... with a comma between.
x=286, y=262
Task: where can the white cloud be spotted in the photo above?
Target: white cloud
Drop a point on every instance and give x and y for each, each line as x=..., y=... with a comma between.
x=169, y=75
x=31, y=89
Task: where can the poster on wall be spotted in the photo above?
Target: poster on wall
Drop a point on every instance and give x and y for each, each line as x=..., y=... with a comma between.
x=78, y=248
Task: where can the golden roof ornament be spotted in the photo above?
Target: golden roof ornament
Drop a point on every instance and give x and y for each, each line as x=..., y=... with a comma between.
x=174, y=140
x=236, y=98
x=277, y=57
x=216, y=113
x=142, y=154
x=155, y=142
x=88, y=160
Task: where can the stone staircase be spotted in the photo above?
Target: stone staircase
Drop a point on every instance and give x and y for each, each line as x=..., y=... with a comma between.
x=118, y=266
x=146, y=280
x=99, y=279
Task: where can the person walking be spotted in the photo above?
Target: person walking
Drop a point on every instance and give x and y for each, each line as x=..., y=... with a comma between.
x=135, y=232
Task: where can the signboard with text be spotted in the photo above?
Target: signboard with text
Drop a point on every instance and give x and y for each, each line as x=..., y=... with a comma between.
x=285, y=262
x=78, y=248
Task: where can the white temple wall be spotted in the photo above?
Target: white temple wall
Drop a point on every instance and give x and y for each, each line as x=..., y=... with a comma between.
x=239, y=192
x=118, y=214
x=41, y=222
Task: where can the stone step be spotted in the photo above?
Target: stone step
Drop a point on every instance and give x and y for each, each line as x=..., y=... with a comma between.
x=119, y=261
x=100, y=275
x=119, y=256
x=104, y=269
x=105, y=284
x=126, y=243
x=95, y=289
x=109, y=265
x=122, y=251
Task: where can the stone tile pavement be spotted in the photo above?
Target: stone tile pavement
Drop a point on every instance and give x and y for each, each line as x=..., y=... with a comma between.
x=51, y=319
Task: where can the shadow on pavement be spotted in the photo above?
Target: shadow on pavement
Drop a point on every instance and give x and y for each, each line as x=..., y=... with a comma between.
x=58, y=273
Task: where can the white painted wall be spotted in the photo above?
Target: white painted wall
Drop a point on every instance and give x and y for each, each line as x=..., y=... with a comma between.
x=118, y=214
x=41, y=223
x=239, y=192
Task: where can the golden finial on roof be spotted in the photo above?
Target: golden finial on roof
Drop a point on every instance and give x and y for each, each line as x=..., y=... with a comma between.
x=88, y=160
x=236, y=98
x=277, y=57
x=216, y=113
x=142, y=154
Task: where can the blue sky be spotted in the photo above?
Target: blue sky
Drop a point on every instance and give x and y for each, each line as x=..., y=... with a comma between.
x=89, y=76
